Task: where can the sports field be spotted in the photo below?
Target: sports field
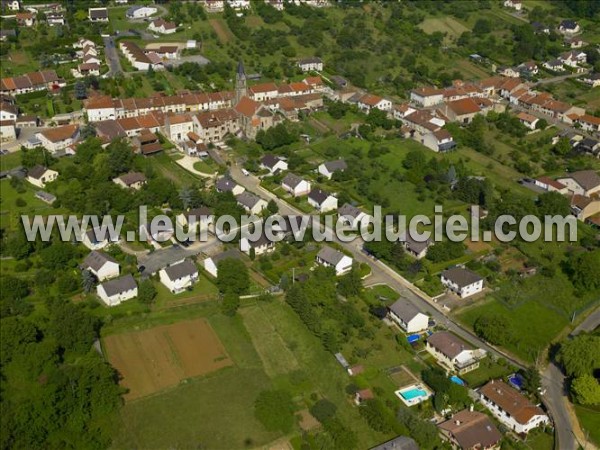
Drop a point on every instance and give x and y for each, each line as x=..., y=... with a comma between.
x=154, y=359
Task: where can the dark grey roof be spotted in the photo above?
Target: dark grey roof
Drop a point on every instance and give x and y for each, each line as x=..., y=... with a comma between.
x=461, y=276
x=225, y=184
x=99, y=13
x=198, y=213
x=98, y=234
x=414, y=245
x=568, y=24
x=96, y=260
x=45, y=196
x=132, y=178
x=318, y=195
x=260, y=240
x=119, y=285
x=240, y=68
x=404, y=309
x=398, y=443
x=292, y=180
x=338, y=164
x=270, y=160
x=311, y=60
x=290, y=224
x=37, y=172
x=349, y=210
x=587, y=179
x=448, y=344
x=330, y=255
x=180, y=270
x=248, y=199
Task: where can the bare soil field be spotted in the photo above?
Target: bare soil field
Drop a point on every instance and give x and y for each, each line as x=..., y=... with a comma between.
x=221, y=29
x=158, y=358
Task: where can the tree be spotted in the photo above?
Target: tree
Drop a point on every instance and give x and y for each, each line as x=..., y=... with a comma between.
x=275, y=410
x=495, y=329
x=377, y=416
x=79, y=90
x=586, y=390
x=583, y=270
x=230, y=304
x=531, y=379
x=553, y=203
x=350, y=285
x=57, y=256
x=541, y=124
x=581, y=355
x=323, y=410
x=563, y=147
x=71, y=326
x=232, y=276
x=272, y=207
x=146, y=292
x=88, y=280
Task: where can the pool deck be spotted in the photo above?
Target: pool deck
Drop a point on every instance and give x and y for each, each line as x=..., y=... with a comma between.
x=416, y=400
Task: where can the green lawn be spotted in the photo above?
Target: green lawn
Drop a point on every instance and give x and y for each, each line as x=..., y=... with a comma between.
x=168, y=168
x=589, y=419
x=487, y=370
x=204, y=289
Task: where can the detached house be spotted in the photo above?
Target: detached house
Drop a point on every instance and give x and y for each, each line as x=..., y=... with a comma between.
x=573, y=58
x=568, y=27
x=589, y=123
x=471, y=430
x=555, y=65
x=308, y=64
x=462, y=281
x=528, y=120
x=197, y=218
x=408, y=316
x=327, y=169
x=452, y=353
x=162, y=26
x=330, y=257
x=517, y=5
x=369, y=101
x=351, y=215
x=427, y=96
x=211, y=263
x=226, y=184
x=39, y=176
x=179, y=277
x=103, y=266
x=512, y=408
x=548, y=184
x=98, y=14
x=273, y=164
x=583, y=182
x=131, y=180
x=417, y=249
x=59, y=138
x=261, y=244
x=253, y=204
x=25, y=19
x=98, y=238
x=439, y=140
x=295, y=185
x=322, y=201
x=116, y=291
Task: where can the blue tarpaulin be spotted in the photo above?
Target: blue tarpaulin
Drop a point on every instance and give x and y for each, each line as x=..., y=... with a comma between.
x=413, y=338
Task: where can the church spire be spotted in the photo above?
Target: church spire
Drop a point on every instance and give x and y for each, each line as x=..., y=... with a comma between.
x=241, y=89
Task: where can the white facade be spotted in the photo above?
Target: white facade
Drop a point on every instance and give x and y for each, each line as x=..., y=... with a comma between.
x=462, y=290
x=416, y=324
x=118, y=298
x=141, y=12
x=310, y=64
x=302, y=188
x=8, y=131
x=178, y=283
x=47, y=177
x=341, y=267
x=427, y=99
x=329, y=204
x=108, y=270
x=280, y=166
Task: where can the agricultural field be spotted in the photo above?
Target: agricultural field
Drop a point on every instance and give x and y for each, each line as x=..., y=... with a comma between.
x=161, y=357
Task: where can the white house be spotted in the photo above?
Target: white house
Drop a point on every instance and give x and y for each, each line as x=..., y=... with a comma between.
x=573, y=58
x=514, y=4
x=179, y=277
x=98, y=238
x=439, y=140
x=407, y=316
x=548, y=184
x=98, y=14
x=330, y=257
x=583, y=182
x=322, y=201
x=452, y=353
x=8, y=131
x=100, y=108
x=162, y=26
x=40, y=175
x=528, y=120
x=253, y=204
x=8, y=111
x=114, y=292
x=427, y=96
x=352, y=216
x=59, y=138
x=211, y=264
x=295, y=185
x=261, y=244
x=103, y=266
x=569, y=27
x=369, y=101
x=131, y=180
x=327, y=169
x=139, y=12
x=225, y=184
x=308, y=64
x=13, y=5
x=273, y=164
x=555, y=65
x=198, y=218
x=511, y=408
x=462, y=281
x=589, y=123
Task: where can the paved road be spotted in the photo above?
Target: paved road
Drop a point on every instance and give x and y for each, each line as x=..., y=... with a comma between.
x=559, y=78
x=553, y=379
x=112, y=57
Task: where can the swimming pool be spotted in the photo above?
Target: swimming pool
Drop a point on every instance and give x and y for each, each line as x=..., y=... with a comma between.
x=413, y=393
x=457, y=380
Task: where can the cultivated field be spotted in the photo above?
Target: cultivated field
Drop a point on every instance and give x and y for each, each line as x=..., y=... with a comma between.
x=443, y=24
x=160, y=357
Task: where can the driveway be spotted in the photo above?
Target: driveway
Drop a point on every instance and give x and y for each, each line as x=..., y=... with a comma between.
x=187, y=162
x=160, y=259
x=112, y=57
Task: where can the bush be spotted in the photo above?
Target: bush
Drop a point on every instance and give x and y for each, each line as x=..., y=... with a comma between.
x=323, y=410
x=275, y=410
x=20, y=203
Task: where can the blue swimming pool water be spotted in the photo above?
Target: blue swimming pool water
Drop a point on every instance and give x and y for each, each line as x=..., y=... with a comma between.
x=516, y=381
x=413, y=393
x=457, y=380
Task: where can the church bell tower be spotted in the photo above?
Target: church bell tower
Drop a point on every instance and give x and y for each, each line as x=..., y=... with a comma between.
x=241, y=88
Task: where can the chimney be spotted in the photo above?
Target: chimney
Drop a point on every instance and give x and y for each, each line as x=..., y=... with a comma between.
x=457, y=422
x=471, y=407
